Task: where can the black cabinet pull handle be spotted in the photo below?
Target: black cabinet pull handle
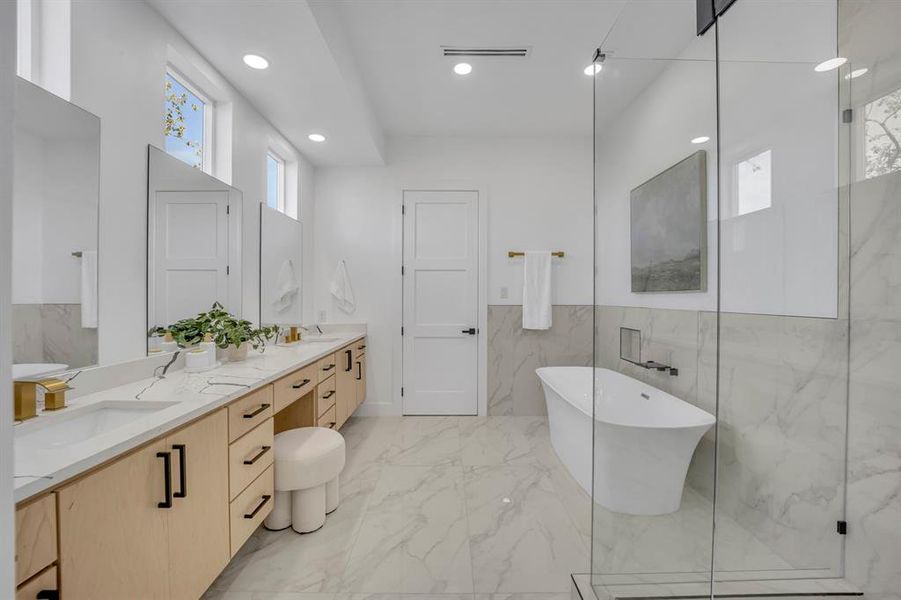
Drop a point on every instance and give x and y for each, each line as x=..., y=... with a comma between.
x=259, y=507
x=258, y=456
x=167, y=479
x=328, y=368
x=359, y=371
x=332, y=425
x=254, y=413
x=349, y=361
x=47, y=595
x=329, y=395
x=182, y=471
x=361, y=347
x=300, y=384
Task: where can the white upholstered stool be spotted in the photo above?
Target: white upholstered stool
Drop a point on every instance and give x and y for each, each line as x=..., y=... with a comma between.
x=307, y=463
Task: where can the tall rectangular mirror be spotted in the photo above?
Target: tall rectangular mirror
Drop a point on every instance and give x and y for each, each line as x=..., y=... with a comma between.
x=281, y=247
x=193, y=244
x=55, y=232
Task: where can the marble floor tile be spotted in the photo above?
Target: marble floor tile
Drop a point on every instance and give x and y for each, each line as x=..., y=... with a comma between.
x=425, y=441
x=522, y=538
x=414, y=536
x=506, y=440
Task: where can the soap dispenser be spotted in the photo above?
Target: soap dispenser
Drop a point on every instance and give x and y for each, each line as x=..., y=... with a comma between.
x=168, y=344
x=210, y=348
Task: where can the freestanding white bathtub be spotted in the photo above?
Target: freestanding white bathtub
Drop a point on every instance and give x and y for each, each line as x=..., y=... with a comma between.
x=644, y=441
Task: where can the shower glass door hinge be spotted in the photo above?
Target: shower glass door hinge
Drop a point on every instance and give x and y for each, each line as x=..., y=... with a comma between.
x=842, y=527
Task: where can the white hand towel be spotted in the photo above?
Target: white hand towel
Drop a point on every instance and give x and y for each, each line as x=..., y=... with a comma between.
x=286, y=287
x=536, y=291
x=89, y=289
x=341, y=289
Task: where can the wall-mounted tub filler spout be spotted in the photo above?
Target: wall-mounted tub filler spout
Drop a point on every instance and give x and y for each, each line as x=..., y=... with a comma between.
x=630, y=351
x=673, y=371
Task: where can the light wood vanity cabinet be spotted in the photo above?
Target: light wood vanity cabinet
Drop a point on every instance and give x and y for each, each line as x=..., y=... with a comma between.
x=35, y=537
x=124, y=529
x=350, y=380
x=39, y=585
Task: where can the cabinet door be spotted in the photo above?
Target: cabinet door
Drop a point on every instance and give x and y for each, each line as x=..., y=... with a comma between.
x=345, y=386
x=360, y=380
x=198, y=521
x=113, y=533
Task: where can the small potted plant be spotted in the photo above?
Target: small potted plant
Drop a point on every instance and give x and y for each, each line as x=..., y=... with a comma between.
x=229, y=333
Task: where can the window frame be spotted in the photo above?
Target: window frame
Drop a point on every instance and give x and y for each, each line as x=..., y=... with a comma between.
x=209, y=106
x=281, y=180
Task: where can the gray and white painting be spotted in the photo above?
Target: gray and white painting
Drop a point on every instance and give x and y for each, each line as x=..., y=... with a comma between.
x=669, y=241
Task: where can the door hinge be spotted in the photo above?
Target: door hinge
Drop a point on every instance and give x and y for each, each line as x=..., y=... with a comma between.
x=228, y=209
x=842, y=527
x=401, y=392
x=402, y=270
x=403, y=209
x=848, y=115
x=401, y=331
x=228, y=270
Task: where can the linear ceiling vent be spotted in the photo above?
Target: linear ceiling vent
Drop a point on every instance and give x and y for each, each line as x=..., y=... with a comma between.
x=509, y=52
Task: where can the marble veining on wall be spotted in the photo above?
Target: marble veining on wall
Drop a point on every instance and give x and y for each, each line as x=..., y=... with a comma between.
x=52, y=333
x=515, y=353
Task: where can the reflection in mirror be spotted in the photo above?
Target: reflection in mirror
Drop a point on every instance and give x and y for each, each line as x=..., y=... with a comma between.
x=280, y=268
x=55, y=220
x=193, y=245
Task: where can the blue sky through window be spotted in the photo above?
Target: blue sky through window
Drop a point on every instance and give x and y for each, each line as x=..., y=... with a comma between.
x=183, y=123
x=272, y=182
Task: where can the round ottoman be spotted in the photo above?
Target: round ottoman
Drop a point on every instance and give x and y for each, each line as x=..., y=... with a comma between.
x=307, y=463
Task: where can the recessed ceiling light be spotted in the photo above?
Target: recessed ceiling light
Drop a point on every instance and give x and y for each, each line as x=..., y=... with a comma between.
x=593, y=69
x=316, y=137
x=828, y=65
x=700, y=140
x=255, y=61
x=856, y=73
x=462, y=68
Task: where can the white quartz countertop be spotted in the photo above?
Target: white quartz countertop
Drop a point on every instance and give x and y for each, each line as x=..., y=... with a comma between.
x=40, y=467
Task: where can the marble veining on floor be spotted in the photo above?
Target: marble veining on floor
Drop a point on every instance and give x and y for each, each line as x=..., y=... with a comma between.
x=455, y=507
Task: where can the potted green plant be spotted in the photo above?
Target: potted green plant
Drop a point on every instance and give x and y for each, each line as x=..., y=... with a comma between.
x=229, y=333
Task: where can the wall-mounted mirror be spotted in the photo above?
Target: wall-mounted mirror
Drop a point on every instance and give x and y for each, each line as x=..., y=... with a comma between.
x=193, y=244
x=281, y=248
x=54, y=243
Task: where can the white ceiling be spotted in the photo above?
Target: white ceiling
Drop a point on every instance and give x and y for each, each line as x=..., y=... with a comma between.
x=360, y=70
x=414, y=91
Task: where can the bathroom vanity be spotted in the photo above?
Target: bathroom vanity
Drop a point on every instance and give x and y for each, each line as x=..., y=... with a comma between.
x=155, y=507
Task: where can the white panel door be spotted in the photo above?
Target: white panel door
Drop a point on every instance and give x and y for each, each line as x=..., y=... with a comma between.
x=189, y=254
x=441, y=302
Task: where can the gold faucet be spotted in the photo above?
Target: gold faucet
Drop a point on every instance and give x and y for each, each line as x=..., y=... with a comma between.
x=25, y=394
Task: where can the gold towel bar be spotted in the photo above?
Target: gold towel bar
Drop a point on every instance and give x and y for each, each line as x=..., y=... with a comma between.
x=558, y=254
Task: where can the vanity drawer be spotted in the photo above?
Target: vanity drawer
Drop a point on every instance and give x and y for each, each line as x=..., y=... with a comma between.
x=248, y=510
x=248, y=412
x=325, y=396
x=46, y=581
x=327, y=367
x=295, y=386
x=35, y=537
x=359, y=347
x=249, y=456
x=328, y=418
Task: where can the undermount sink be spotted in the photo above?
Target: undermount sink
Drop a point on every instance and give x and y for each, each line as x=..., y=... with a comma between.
x=78, y=424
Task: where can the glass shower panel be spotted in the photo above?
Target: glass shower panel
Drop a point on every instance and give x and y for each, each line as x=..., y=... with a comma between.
x=655, y=302
x=783, y=322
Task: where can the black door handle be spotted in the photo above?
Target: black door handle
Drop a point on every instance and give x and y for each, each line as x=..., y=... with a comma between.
x=328, y=394
x=167, y=479
x=470, y=331
x=47, y=595
x=300, y=384
x=359, y=370
x=349, y=361
x=254, y=413
x=182, y=471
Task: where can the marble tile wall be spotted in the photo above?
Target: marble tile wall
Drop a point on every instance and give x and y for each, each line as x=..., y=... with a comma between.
x=515, y=353
x=781, y=416
x=52, y=333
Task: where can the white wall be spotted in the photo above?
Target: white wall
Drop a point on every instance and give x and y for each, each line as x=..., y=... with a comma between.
x=119, y=56
x=539, y=197
x=7, y=82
